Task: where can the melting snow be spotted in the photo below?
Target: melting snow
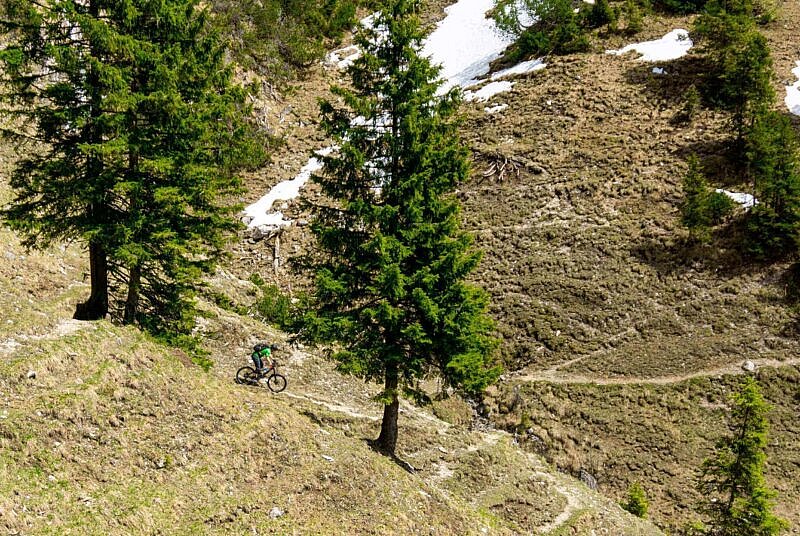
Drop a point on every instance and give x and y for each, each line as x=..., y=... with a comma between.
x=746, y=200
x=344, y=57
x=464, y=44
x=488, y=91
x=520, y=68
x=670, y=47
x=495, y=109
x=793, y=92
x=259, y=212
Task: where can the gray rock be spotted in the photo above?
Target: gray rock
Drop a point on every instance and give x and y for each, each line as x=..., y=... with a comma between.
x=749, y=366
x=276, y=512
x=31, y=375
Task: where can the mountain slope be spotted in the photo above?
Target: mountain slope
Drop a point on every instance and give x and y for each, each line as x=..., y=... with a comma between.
x=104, y=431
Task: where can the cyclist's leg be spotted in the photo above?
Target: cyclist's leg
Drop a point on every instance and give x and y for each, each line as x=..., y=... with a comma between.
x=257, y=360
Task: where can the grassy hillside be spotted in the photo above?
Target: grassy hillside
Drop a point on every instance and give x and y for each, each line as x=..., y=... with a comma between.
x=104, y=431
x=626, y=337
x=622, y=337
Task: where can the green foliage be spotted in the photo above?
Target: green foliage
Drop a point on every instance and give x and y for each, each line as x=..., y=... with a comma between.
x=772, y=156
x=557, y=30
x=738, y=501
x=392, y=262
x=275, y=307
x=636, y=502
x=740, y=66
x=600, y=14
x=701, y=207
x=680, y=6
x=140, y=130
x=277, y=37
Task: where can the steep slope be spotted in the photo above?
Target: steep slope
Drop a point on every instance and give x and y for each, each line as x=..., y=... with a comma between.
x=104, y=431
x=624, y=339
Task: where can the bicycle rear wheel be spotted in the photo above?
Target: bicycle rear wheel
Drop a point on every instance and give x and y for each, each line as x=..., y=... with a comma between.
x=276, y=383
x=247, y=376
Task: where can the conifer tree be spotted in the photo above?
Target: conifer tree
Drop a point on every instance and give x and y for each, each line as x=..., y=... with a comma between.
x=390, y=286
x=137, y=130
x=740, y=65
x=772, y=155
x=701, y=207
x=732, y=479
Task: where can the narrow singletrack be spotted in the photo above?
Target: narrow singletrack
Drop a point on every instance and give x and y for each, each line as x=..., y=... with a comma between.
x=556, y=375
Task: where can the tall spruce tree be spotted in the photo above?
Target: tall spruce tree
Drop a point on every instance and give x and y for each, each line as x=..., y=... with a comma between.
x=772, y=153
x=390, y=287
x=732, y=479
x=740, y=65
x=136, y=129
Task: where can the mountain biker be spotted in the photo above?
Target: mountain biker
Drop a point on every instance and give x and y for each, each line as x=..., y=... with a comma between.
x=260, y=351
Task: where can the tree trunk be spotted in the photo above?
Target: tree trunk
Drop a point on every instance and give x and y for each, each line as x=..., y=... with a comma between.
x=96, y=307
x=132, y=301
x=387, y=441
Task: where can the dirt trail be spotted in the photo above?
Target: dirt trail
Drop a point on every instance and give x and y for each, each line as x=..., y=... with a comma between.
x=555, y=375
x=65, y=327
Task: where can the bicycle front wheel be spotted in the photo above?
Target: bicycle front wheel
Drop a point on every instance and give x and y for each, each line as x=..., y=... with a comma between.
x=276, y=383
x=247, y=376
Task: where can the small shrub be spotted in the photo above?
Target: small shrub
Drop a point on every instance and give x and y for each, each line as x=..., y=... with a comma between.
x=701, y=208
x=719, y=207
x=600, y=14
x=634, y=18
x=637, y=503
x=278, y=308
x=557, y=30
x=691, y=105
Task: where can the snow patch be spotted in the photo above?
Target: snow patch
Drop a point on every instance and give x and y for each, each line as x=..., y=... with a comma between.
x=672, y=46
x=520, y=68
x=746, y=200
x=495, y=109
x=793, y=92
x=465, y=43
x=344, y=57
x=259, y=212
x=488, y=91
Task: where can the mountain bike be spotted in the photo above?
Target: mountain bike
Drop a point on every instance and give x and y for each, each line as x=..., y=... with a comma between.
x=276, y=382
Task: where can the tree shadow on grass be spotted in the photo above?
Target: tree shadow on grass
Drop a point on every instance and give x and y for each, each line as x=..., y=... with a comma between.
x=671, y=87
x=722, y=255
x=373, y=444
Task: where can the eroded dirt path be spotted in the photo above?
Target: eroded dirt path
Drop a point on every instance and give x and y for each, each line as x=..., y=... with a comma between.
x=557, y=375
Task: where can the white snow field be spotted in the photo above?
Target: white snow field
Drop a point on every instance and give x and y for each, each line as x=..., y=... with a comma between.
x=793, y=92
x=747, y=201
x=464, y=43
x=672, y=46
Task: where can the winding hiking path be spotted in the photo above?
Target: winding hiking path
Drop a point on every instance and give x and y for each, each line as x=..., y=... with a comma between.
x=556, y=375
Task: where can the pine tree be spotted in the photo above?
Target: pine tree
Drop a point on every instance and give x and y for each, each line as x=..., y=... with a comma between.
x=701, y=208
x=732, y=479
x=740, y=65
x=390, y=286
x=772, y=156
x=135, y=129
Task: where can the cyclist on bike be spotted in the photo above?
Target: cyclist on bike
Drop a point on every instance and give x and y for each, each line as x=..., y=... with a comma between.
x=260, y=351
